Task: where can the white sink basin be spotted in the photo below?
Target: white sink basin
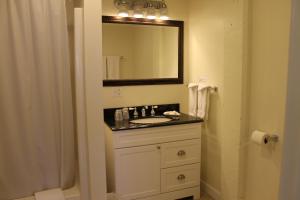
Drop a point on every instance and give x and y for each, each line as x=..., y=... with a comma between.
x=152, y=120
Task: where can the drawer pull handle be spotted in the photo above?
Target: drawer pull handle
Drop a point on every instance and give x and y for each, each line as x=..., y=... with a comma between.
x=181, y=177
x=181, y=153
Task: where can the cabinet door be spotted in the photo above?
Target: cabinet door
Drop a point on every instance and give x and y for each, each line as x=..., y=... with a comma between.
x=137, y=172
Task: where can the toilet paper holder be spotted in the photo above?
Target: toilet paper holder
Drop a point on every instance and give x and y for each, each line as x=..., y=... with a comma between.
x=271, y=139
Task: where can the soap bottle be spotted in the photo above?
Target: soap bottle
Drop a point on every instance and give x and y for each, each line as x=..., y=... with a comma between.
x=143, y=112
x=135, y=114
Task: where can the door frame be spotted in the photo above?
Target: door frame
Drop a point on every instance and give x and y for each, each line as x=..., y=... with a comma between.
x=290, y=181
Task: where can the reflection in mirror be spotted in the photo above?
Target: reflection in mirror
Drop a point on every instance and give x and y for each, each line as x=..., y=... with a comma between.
x=140, y=52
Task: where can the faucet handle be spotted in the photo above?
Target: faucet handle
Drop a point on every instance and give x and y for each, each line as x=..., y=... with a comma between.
x=153, y=111
x=135, y=114
x=144, y=111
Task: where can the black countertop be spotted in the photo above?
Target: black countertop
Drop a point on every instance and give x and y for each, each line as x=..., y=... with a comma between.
x=127, y=125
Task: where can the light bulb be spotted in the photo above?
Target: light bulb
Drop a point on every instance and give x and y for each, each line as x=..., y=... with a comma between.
x=151, y=12
x=138, y=9
x=123, y=14
x=138, y=15
x=164, y=17
x=151, y=17
x=163, y=12
x=123, y=9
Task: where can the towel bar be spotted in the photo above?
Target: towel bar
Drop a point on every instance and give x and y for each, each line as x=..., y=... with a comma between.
x=214, y=89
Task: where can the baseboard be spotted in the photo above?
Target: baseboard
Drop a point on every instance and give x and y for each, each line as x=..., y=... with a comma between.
x=178, y=194
x=211, y=191
x=111, y=196
x=205, y=188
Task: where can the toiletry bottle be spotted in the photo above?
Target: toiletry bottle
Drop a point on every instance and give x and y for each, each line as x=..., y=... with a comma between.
x=135, y=114
x=125, y=113
x=143, y=112
x=118, y=115
x=152, y=111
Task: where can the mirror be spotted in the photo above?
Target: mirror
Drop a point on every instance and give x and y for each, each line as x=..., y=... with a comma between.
x=142, y=51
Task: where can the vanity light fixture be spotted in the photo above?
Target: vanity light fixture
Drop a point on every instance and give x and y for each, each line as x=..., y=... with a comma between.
x=138, y=14
x=123, y=13
x=138, y=9
x=164, y=11
x=164, y=17
x=123, y=8
x=151, y=9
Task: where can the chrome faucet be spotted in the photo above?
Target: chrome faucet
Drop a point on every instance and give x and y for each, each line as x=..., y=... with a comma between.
x=153, y=111
x=135, y=114
x=144, y=111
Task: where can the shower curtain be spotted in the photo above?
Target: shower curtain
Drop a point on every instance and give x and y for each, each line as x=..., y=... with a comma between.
x=36, y=116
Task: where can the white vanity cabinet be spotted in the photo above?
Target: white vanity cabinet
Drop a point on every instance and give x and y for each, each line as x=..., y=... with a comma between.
x=159, y=163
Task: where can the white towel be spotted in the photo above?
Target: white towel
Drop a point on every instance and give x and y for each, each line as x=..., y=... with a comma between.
x=53, y=194
x=113, y=67
x=203, y=100
x=193, y=96
x=171, y=113
x=104, y=67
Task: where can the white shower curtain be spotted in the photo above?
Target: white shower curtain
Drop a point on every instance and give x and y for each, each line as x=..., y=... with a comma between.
x=36, y=116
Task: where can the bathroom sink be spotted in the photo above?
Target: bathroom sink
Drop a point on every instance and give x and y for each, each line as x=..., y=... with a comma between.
x=152, y=120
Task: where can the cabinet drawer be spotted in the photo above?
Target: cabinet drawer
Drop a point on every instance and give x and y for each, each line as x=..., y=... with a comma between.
x=177, y=178
x=156, y=135
x=180, y=153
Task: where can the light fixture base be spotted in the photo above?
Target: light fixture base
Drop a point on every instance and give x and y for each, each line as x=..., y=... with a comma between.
x=150, y=9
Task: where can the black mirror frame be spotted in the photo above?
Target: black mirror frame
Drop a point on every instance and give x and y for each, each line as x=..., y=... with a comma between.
x=158, y=81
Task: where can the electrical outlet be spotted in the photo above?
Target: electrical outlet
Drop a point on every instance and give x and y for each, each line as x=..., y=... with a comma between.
x=117, y=92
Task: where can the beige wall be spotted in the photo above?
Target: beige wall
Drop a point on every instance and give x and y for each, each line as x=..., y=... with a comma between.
x=216, y=38
x=94, y=99
x=78, y=3
x=269, y=43
x=94, y=184
x=141, y=95
x=206, y=58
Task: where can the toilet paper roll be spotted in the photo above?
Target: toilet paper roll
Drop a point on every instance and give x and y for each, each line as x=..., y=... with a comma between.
x=259, y=137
